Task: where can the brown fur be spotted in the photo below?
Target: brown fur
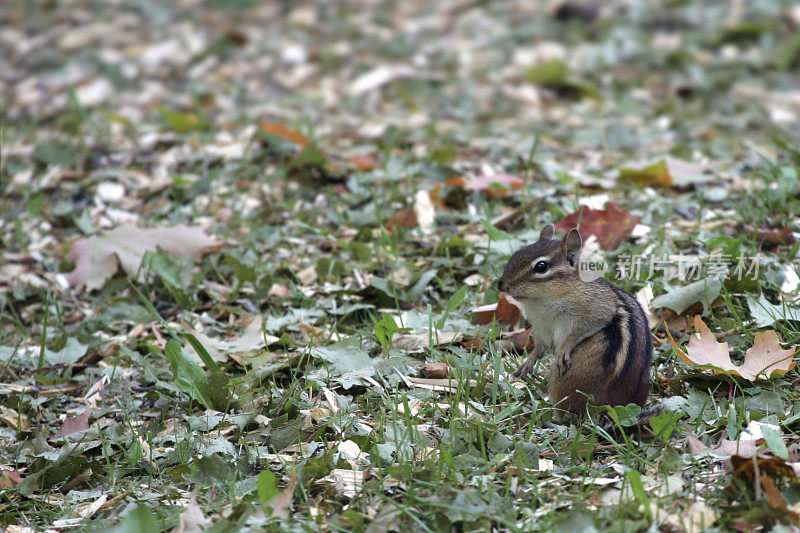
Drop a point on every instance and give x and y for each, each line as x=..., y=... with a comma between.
x=599, y=332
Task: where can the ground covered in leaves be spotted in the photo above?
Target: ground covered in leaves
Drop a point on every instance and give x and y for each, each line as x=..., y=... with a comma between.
x=233, y=232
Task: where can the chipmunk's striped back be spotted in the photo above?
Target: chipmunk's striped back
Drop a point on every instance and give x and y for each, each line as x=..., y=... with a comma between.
x=599, y=333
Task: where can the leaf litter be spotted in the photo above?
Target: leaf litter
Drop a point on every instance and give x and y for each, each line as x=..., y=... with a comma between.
x=372, y=161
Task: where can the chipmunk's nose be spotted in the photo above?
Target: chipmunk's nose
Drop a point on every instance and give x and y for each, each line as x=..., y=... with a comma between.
x=502, y=286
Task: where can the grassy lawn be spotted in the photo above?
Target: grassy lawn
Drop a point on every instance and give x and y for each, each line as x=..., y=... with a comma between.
x=236, y=238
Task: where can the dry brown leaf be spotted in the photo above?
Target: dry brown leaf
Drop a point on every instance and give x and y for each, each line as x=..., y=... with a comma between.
x=281, y=130
x=434, y=370
x=507, y=311
x=14, y=419
x=8, y=478
x=772, y=237
x=611, y=225
x=97, y=258
x=192, y=519
x=402, y=218
x=765, y=357
x=746, y=466
x=364, y=162
x=74, y=424
x=418, y=341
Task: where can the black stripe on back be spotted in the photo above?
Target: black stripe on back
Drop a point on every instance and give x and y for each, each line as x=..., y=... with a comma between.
x=613, y=334
x=635, y=344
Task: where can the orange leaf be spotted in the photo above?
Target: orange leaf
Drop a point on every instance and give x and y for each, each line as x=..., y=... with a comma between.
x=765, y=356
x=611, y=225
x=364, y=162
x=281, y=130
x=506, y=310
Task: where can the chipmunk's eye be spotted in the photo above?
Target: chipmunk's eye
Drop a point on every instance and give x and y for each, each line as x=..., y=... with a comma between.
x=540, y=267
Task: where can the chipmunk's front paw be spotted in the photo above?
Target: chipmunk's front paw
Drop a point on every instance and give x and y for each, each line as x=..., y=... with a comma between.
x=525, y=369
x=563, y=363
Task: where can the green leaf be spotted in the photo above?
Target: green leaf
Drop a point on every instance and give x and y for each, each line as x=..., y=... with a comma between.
x=310, y=156
x=766, y=313
x=655, y=174
x=72, y=351
x=189, y=376
x=182, y=122
x=211, y=365
x=548, y=73
x=220, y=391
x=267, y=486
x=384, y=330
x=774, y=440
x=704, y=291
x=635, y=479
x=494, y=233
x=138, y=520
x=456, y=300
x=624, y=415
x=664, y=424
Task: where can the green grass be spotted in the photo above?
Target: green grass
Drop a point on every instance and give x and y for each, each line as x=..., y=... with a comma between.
x=307, y=247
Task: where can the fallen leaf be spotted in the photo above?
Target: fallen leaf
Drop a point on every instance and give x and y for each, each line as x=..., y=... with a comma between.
x=703, y=291
x=192, y=519
x=434, y=370
x=494, y=184
x=281, y=130
x=418, y=341
x=402, y=218
x=14, y=419
x=746, y=466
x=238, y=349
x=347, y=482
x=766, y=313
x=507, y=310
x=666, y=172
x=698, y=517
x=772, y=237
x=655, y=174
x=379, y=77
x=611, y=226
x=97, y=258
x=791, y=280
x=74, y=424
x=8, y=478
x=363, y=162
x=765, y=356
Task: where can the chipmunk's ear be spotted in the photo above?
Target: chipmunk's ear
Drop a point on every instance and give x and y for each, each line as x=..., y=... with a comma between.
x=547, y=232
x=572, y=241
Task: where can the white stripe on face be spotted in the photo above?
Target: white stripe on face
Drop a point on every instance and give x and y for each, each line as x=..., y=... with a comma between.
x=542, y=258
x=545, y=258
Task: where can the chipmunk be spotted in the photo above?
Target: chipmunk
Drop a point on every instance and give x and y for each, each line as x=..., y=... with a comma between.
x=599, y=332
